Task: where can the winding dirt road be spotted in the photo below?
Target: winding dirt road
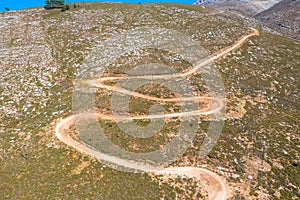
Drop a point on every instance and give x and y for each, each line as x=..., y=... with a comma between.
x=214, y=184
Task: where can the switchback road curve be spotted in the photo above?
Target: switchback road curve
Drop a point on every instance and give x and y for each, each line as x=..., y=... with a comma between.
x=214, y=184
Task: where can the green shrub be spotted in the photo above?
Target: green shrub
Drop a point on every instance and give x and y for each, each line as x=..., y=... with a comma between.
x=65, y=8
x=51, y=4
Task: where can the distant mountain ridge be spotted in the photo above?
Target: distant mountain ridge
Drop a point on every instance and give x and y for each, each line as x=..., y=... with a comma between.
x=207, y=2
x=283, y=17
x=246, y=7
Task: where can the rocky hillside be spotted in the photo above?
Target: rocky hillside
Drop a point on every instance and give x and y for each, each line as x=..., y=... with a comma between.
x=283, y=17
x=245, y=7
x=41, y=52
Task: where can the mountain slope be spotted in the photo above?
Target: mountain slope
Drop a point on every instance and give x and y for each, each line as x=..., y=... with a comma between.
x=40, y=53
x=283, y=17
x=246, y=7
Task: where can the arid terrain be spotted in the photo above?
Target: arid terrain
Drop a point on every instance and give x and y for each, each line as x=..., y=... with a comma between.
x=280, y=16
x=283, y=17
x=246, y=7
x=43, y=155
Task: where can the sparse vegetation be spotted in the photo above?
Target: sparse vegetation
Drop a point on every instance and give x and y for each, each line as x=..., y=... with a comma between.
x=51, y=4
x=41, y=52
x=65, y=8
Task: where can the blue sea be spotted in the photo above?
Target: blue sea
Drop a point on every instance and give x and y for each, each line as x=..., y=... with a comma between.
x=21, y=4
